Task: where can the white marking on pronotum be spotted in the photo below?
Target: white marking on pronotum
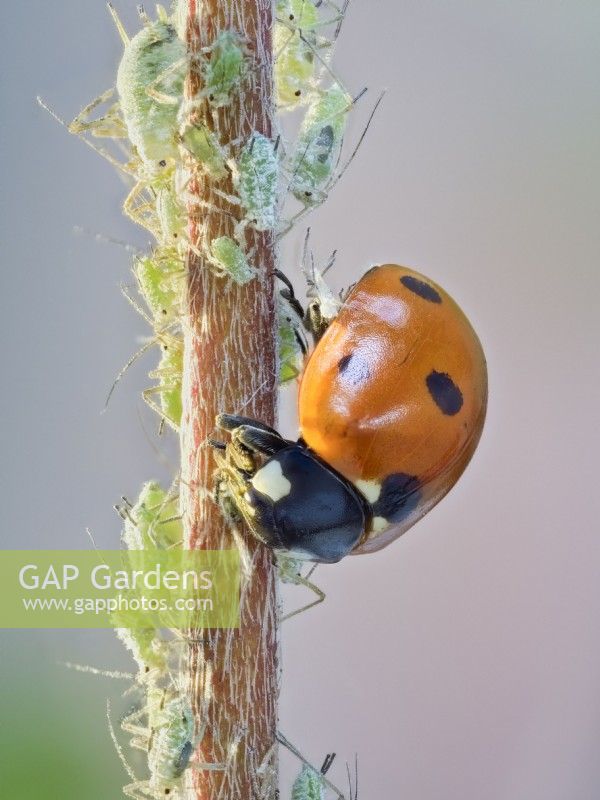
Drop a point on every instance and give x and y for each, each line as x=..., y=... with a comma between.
x=271, y=481
x=379, y=524
x=370, y=489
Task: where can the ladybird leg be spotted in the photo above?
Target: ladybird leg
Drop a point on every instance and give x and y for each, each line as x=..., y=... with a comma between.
x=258, y=440
x=231, y=421
x=288, y=293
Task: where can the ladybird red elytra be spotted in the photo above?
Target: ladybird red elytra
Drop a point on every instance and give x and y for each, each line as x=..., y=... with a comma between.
x=391, y=405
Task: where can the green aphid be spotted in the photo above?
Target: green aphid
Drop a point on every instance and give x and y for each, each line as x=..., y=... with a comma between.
x=224, y=69
x=169, y=376
x=294, y=44
x=159, y=282
x=150, y=84
x=300, y=14
x=153, y=521
x=171, y=214
x=291, y=353
x=146, y=647
x=173, y=745
x=319, y=145
x=230, y=260
x=308, y=785
x=204, y=145
x=256, y=181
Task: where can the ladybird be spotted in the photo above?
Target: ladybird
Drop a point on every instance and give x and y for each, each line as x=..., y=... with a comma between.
x=391, y=404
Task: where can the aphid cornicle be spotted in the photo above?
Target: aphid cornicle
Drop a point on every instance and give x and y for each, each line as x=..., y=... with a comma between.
x=392, y=403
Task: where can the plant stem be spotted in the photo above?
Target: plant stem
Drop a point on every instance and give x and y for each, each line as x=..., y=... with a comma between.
x=230, y=364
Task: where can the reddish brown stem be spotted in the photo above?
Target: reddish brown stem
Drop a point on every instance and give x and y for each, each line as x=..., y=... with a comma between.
x=230, y=365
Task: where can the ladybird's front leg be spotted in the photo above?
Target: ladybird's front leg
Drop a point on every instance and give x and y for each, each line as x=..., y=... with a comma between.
x=250, y=435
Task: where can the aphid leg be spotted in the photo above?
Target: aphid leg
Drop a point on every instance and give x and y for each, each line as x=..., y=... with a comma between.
x=145, y=347
x=289, y=570
x=147, y=395
x=109, y=125
x=162, y=97
x=118, y=165
x=300, y=581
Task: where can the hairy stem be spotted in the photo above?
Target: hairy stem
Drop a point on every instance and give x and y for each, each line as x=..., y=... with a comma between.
x=230, y=365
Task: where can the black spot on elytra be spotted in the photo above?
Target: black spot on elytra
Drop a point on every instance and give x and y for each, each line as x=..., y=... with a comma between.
x=445, y=393
x=354, y=369
x=400, y=495
x=424, y=290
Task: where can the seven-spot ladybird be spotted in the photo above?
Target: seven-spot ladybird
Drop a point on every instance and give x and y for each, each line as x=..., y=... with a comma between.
x=392, y=403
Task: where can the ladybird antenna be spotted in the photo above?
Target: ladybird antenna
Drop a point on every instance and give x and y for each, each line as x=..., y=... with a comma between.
x=119, y=25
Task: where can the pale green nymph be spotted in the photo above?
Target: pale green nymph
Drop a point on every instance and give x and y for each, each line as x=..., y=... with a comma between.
x=230, y=260
x=255, y=178
x=319, y=144
x=150, y=85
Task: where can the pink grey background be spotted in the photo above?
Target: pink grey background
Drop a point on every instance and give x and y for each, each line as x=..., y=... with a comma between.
x=463, y=662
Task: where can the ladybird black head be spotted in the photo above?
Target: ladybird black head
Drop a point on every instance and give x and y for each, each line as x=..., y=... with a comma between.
x=301, y=505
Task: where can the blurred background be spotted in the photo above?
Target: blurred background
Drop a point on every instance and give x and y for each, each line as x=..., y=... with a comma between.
x=463, y=662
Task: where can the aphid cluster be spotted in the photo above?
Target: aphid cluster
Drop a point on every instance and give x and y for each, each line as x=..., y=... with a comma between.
x=149, y=118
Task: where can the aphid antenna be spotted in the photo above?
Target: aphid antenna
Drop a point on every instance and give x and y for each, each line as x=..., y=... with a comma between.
x=310, y=276
x=138, y=354
x=309, y=208
x=353, y=793
x=80, y=230
x=119, y=25
x=162, y=457
x=124, y=289
x=341, y=173
x=103, y=673
x=294, y=750
x=118, y=747
x=341, y=19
